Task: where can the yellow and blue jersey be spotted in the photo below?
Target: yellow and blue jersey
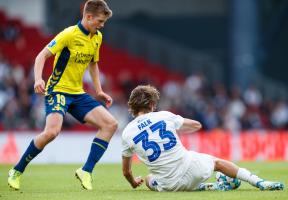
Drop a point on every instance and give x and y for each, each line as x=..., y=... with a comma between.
x=74, y=49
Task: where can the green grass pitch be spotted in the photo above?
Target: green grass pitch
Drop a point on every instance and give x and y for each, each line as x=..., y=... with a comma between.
x=43, y=182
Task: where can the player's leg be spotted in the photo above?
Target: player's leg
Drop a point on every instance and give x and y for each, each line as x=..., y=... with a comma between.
x=226, y=167
x=201, y=169
x=52, y=129
x=88, y=110
x=104, y=121
x=107, y=125
x=231, y=170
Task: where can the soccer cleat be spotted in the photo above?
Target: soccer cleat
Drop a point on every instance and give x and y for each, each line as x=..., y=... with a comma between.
x=220, y=186
x=232, y=183
x=85, y=178
x=207, y=186
x=269, y=185
x=14, y=179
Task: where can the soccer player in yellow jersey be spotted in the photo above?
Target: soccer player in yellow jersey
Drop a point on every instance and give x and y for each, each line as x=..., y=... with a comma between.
x=75, y=49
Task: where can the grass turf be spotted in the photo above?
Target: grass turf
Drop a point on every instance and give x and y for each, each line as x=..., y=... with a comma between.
x=43, y=182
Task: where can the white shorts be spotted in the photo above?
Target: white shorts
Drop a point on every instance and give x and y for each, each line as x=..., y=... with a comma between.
x=200, y=168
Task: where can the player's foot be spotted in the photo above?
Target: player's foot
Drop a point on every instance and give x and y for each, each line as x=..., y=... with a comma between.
x=208, y=186
x=14, y=179
x=214, y=186
x=269, y=185
x=232, y=183
x=85, y=178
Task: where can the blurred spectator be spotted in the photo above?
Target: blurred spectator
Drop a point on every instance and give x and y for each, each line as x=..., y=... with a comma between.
x=251, y=120
x=235, y=111
x=10, y=32
x=195, y=82
x=212, y=118
x=252, y=96
x=11, y=114
x=279, y=116
x=171, y=91
x=213, y=104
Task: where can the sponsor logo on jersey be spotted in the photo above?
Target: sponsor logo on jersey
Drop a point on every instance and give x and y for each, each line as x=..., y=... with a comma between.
x=78, y=43
x=83, y=58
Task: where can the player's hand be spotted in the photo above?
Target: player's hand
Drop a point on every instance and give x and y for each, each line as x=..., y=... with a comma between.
x=39, y=86
x=102, y=96
x=137, y=182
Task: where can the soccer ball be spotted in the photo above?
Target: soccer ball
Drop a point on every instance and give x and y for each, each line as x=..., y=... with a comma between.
x=234, y=183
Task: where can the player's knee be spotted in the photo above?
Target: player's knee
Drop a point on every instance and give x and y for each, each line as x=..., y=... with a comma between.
x=218, y=164
x=112, y=125
x=51, y=133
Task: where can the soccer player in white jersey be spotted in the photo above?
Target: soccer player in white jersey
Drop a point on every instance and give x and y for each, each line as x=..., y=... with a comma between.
x=153, y=137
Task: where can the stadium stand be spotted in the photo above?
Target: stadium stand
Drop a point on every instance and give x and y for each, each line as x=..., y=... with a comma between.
x=19, y=45
x=215, y=105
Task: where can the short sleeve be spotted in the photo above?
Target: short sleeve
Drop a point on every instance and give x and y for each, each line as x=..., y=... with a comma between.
x=59, y=42
x=98, y=45
x=178, y=120
x=126, y=151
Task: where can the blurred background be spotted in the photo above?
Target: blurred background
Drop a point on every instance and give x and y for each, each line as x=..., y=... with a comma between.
x=221, y=62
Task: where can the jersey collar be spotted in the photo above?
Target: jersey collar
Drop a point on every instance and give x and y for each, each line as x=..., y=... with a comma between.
x=81, y=27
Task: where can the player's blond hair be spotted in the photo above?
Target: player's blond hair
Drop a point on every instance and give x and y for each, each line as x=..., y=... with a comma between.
x=142, y=98
x=96, y=7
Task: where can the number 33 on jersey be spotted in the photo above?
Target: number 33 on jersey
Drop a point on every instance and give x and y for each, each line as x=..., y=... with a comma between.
x=159, y=127
x=150, y=137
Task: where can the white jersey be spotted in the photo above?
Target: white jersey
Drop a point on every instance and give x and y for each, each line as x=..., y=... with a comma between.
x=153, y=138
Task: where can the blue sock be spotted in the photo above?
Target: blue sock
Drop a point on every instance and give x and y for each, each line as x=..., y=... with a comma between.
x=98, y=148
x=31, y=152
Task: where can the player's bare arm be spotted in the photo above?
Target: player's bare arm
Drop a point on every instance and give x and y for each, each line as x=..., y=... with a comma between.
x=95, y=76
x=39, y=85
x=190, y=125
x=127, y=172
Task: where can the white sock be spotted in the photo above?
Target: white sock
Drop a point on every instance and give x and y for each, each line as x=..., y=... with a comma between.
x=245, y=175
